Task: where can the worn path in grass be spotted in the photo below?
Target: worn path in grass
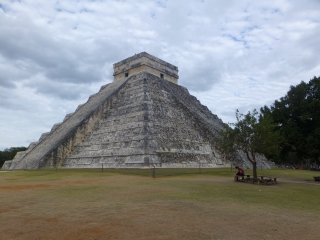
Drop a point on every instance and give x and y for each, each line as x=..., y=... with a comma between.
x=87, y=205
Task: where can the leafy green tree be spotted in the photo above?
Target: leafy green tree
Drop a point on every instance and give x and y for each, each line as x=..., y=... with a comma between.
x=250, y=136
x=270, y=146
x=246, y=137
x=226, y=144
x=297, y=119
x=288, y=132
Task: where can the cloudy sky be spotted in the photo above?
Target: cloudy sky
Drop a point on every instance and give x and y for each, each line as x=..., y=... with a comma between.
x=231, y=54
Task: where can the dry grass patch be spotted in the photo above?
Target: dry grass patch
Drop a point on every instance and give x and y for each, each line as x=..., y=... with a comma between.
x=90, y=205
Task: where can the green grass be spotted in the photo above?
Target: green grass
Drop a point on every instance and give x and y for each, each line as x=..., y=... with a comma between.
x=53, y=174
x=187, y=184
x=291, y=174
x=71, y=198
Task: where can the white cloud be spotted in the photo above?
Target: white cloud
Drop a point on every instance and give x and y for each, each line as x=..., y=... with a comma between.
x=231, y=54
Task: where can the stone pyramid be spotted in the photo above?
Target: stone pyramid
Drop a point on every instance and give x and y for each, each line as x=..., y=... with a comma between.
x=142, y=119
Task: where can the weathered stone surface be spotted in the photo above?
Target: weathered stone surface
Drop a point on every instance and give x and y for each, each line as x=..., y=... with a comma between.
x=60, y=142
x=262, y=161
x=67, y=116
x=6, y=165
x=147, y=125
x=144, y=62
x=139, y=121
x=44, y=135
x=17, y=158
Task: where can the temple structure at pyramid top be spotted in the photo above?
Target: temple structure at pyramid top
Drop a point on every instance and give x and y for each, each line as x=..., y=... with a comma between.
x=144, y=62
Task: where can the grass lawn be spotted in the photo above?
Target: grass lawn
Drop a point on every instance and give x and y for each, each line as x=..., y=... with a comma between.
x=177, y=204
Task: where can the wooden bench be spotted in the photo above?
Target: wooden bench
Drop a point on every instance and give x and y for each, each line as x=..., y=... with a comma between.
x=317, y=178
x=267, y=180
x=244, y=178
x=260, y=180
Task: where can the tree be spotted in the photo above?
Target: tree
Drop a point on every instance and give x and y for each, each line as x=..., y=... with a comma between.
x=251, y=134
x=297, y=119
x=246, y=137
x=268, y=129
x=288, y=132
x=226, y=144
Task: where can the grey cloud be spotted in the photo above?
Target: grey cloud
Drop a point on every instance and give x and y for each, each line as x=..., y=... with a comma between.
x=5, y=82
x=201, y=76
x=256, y=49
x=66, y=91
x=13, y=71
x=57, y=59
x=14, y=100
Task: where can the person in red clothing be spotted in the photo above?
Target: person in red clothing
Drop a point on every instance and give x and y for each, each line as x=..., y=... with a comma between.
x=240, y=171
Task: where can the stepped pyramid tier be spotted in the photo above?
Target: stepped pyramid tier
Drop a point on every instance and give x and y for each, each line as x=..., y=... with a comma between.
x=142, y=119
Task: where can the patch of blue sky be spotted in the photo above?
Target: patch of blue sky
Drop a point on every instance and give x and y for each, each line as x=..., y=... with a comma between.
x=153, y=15
x=238, y=38
x=3, y=8
x=59, y=9
x=161, y=3
x=85, y=10
x=271, y=10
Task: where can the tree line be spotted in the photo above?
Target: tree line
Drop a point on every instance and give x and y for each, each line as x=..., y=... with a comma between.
x=287, y=132
x=297, y=120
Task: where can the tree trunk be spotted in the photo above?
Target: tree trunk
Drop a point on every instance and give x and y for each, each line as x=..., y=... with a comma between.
x=254, y=166
x=254, y=170
x=254, y=163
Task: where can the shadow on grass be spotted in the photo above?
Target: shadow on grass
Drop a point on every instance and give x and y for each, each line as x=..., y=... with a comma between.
x=144, y=172
x=296, y=175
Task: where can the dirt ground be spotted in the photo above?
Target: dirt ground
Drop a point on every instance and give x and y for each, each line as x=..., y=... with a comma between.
x=133, y=207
